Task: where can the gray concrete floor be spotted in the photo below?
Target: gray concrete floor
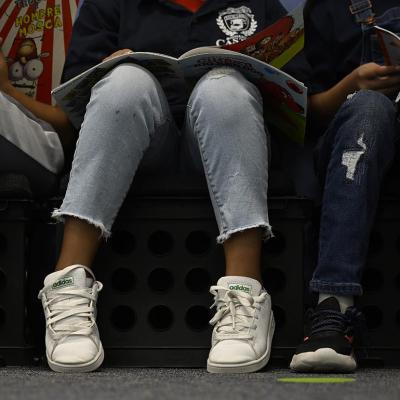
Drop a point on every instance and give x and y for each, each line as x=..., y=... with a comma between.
x=144, y=384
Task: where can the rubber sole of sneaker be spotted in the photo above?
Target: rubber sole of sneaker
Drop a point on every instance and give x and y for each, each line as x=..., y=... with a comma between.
x=323, y=360
x=251, y=366
x=88, y=367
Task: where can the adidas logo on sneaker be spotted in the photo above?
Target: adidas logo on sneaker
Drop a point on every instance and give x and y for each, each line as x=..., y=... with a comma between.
x=240, y=287
x=66, y=281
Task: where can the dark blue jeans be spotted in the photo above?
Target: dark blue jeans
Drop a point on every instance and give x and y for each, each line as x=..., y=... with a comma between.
x=352, y=158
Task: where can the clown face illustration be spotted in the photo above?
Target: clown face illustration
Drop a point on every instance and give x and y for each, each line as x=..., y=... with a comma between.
x=27, y=67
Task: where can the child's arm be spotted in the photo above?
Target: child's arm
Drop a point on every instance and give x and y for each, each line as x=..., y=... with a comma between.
x=54, y=115
x=369, y=76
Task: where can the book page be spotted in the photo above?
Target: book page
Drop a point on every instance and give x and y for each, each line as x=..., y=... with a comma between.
x=205, y=50
x=390, y=45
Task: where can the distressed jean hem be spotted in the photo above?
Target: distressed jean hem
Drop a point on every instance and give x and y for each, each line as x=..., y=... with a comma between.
x=267, y=232
x=59, y=216
x=343, y=289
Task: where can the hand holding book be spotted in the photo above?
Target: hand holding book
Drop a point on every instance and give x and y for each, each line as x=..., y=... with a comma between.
x=383, y=78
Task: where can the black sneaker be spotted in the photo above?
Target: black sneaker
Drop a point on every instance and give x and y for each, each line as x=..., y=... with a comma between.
x=328, y=345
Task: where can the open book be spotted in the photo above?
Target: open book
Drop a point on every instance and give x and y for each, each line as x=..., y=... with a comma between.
x=390, y=45
x=285, y=98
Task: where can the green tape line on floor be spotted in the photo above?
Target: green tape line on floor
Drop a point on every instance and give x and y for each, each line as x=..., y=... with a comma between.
x=316, y=380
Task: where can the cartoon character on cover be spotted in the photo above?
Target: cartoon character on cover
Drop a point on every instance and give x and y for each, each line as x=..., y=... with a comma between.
x=27, y=65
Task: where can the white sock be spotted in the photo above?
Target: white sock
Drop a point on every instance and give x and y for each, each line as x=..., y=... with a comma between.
x=344, y=301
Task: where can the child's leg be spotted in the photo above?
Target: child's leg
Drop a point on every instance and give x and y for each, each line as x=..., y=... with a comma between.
x=354, y=156
x=243, y=254
x=226, y=139
x=81, y=241
x=355, y=153
x=128, y=118
x=127, y=121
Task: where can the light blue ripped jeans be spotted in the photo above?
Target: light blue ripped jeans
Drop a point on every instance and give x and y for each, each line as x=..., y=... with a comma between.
x=128, y=123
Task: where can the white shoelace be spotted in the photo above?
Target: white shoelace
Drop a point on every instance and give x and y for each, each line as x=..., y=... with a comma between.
x=68, y=303
x=235, y=313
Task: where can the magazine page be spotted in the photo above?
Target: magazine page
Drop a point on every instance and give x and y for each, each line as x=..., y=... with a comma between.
x=204, y=50
x=74, y=94
x=390, y=45
x=285, y=98
x=35, y=37
x=278, y=43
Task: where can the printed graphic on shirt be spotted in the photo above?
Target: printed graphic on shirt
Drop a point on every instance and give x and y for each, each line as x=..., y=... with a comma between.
x=35, y=36
x=237, y=24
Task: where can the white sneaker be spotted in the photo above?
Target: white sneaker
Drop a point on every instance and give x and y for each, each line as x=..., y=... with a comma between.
x=243, y=326
x=72, y=338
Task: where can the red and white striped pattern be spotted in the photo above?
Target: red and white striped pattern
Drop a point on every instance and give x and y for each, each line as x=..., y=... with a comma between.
x=51, y=37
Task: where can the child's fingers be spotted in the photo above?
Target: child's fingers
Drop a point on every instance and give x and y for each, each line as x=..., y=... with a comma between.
x=385, y=70
x=385, y=82
x=118, y=53
x=390, y=80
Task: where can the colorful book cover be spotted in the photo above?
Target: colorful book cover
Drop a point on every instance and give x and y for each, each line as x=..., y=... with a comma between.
x=278, y=43
x=36, y=34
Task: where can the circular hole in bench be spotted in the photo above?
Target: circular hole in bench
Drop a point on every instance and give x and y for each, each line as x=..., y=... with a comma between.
x=160, y=280
x=160, y=243
x=161, y=318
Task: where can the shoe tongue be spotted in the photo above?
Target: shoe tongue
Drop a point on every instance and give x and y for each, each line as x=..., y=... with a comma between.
x=241, y=284
x=68, y=277
x=330, y=303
